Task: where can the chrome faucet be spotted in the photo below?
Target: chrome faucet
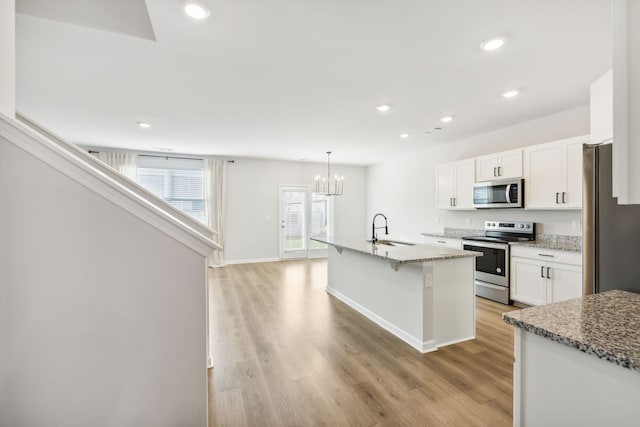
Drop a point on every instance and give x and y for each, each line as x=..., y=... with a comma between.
x=374, y=237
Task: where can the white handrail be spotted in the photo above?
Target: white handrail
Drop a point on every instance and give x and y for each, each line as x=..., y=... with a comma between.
x=129, y=184
x=93, y=173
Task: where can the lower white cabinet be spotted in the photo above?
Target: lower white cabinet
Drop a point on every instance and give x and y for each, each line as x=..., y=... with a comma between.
x=542, y=276
x=448, y=242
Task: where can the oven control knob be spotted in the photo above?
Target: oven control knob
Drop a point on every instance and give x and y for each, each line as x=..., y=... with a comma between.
x=521, y=225
x=528, y=226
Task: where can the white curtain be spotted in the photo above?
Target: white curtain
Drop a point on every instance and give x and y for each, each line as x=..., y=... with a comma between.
x=215, y=177
x=125, y=163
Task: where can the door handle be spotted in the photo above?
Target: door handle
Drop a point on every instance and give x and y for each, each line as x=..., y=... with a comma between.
x=494, y=171
x=451, y=201
x=499, y=172
x=557, y=195
x=563, y=194
x=542, y=271
x=548, y=270
x=455, y=202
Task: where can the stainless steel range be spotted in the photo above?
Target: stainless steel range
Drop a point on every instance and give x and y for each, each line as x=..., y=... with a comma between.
x=492, y=268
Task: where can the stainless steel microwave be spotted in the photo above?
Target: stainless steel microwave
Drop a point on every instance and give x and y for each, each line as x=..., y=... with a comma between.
x=506, y=193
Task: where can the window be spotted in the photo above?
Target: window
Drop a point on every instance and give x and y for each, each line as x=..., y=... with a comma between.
x=178, y=181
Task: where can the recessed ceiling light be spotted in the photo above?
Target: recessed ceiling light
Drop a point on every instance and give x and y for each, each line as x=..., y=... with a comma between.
x=492, y=44
x=405, y=135
x=196, y=9
x=446, y=119
x=510, y=94
x=383, y=108
x=144, y=125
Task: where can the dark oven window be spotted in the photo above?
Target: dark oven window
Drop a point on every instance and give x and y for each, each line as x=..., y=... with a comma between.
x=492, y=260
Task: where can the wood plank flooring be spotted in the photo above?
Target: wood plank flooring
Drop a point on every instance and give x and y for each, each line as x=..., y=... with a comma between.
x=285, y=353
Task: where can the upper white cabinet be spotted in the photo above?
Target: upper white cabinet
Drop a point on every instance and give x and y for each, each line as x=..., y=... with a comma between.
x=507, y=164
x=601, y=108
x=553, y=174
x=626, y=101
x=454, y=185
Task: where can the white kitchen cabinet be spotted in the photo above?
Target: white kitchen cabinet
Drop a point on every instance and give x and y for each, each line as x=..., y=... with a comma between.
x=447, y=242
x=507, y=164
x=601, y=109
x=553, y=174
x=542, y=276
x=626, y=101
x=454, y=185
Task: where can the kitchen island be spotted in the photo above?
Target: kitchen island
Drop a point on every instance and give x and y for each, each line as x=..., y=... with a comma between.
x=422, y=294
x=577, y=362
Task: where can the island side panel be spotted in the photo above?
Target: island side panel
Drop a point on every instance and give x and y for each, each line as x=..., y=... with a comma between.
x=453, y=300
x=555, y=384
x=392, y=299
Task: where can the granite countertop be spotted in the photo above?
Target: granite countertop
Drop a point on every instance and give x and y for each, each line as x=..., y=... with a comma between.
x=554, y=242
x=454, y=233
x=606, y=325
x=399, y=254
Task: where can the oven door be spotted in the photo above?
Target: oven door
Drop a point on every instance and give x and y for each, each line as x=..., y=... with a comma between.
x=493, y=265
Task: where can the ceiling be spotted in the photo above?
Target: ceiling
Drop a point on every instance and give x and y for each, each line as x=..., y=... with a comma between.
x=291, y=79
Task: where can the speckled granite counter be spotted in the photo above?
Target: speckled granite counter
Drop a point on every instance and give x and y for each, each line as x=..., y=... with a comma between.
x=455, y=233
x=554, y=242
x=400, y=254
x=606, y=325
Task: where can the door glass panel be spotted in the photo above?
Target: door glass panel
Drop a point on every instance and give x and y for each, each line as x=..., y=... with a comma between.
x=319, y=219
x=294, y=220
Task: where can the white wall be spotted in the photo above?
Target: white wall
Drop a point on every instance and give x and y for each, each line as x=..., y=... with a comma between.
x=102, y=316
x=8, y=57
x=252, y=231
x=404, y=187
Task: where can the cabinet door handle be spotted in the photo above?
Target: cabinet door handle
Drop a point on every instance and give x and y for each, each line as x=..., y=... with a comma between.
x=557, y=195
x=455, y=202
x=441, y=241
x=494, y=171
x=542, y=271
x=451, y=201
x=547, y=255
x=548, y=270
x=563, y=195
x=499, y=172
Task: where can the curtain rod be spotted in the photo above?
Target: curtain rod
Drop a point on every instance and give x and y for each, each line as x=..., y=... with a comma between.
x=166, y=157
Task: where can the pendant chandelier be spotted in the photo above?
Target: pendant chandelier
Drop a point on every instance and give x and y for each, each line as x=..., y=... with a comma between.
x=325, y=186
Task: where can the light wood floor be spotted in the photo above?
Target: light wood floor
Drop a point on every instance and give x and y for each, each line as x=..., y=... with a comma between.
x=285, y=353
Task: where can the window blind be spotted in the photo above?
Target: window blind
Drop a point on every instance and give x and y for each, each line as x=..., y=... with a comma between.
x=183, y=188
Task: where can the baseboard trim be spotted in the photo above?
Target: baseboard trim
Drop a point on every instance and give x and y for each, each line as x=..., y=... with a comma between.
x=421, y=346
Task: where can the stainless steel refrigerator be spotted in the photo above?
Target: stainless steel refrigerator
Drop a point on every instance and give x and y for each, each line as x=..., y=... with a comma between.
x=611, y=232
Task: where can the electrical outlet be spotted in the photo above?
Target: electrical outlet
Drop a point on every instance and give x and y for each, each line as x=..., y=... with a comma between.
x=577, y=225
x=469, y=220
